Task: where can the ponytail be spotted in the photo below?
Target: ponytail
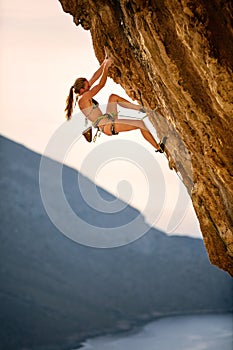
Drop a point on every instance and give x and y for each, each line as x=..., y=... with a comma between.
x=69, y=104
x=78, y=85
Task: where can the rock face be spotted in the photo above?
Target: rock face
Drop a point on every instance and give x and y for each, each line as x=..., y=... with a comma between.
x=178, y=55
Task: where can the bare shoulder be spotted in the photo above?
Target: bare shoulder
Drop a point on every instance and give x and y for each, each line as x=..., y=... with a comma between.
x=85, y=100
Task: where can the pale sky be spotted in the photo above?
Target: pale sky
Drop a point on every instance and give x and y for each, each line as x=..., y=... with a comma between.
x=42, y=53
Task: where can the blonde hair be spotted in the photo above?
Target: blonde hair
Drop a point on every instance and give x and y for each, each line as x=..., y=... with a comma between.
x=78, y=85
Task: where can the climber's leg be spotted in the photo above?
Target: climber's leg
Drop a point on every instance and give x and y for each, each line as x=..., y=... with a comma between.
x=114, y=100
x=122, y=125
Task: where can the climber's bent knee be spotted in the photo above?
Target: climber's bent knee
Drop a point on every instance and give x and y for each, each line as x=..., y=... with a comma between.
x=113, y=98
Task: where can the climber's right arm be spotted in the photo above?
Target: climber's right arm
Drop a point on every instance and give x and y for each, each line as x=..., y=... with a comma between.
x=102, y=82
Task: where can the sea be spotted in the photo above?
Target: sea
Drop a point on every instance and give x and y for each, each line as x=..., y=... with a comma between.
x=199, y=332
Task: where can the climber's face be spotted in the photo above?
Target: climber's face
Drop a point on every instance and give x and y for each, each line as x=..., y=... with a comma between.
x=86, y=86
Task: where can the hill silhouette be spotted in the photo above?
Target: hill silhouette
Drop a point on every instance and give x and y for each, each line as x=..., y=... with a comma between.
x=55, y=293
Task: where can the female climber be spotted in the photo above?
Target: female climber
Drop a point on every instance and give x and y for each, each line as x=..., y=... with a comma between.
x=107, y=123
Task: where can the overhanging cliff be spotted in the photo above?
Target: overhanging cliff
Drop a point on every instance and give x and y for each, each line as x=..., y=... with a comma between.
x=178, y=55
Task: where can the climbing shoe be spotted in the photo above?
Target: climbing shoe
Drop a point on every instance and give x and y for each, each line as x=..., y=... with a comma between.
x=142, y=110
x=161, y=148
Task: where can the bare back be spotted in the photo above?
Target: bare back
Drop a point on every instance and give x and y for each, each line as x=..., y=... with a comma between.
x=88, y=109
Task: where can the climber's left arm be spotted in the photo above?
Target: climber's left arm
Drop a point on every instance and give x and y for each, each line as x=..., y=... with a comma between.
x=97, y=74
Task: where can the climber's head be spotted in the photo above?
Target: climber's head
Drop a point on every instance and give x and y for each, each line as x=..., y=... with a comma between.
x=80, y=86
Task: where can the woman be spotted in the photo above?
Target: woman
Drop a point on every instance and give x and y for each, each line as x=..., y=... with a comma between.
x=107, y=123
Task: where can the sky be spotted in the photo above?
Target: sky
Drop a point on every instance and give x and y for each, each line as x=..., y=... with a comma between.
x=42, y=53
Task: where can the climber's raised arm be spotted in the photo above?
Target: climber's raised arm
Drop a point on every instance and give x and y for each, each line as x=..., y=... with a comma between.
x=106, y=64
x=99, y=71
x=97, y=74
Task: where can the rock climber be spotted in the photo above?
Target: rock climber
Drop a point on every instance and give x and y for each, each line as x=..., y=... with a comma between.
x=84, y=90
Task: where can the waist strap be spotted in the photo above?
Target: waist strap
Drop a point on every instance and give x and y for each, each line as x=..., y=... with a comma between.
x=104, y=116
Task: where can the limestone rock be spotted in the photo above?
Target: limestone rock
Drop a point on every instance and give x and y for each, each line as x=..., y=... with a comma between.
x=178, y=55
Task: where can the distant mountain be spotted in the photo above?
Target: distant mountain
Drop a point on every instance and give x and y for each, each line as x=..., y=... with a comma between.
x=55, y=292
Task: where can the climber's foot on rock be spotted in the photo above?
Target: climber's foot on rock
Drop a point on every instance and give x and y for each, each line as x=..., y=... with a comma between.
x=161, y=148
x=142, y=109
